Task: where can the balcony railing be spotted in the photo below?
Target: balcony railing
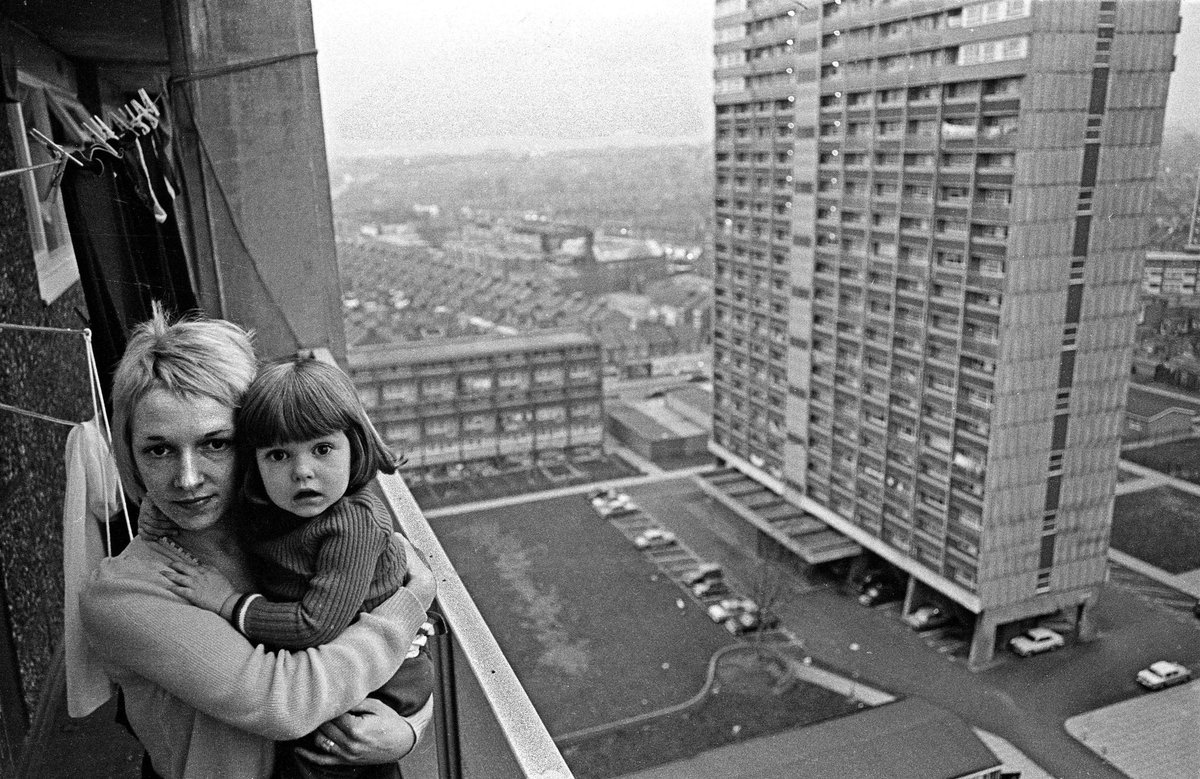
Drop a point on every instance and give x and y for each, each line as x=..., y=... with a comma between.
x=495, y=731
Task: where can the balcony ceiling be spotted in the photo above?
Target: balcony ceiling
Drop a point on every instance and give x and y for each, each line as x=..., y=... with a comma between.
x=113, y=32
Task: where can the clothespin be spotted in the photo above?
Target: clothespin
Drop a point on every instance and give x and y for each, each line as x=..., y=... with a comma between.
x=149, y=104
x=118, y=120
x=135, y=118
x=100, y=133
x=56, y=150
x=107, y=132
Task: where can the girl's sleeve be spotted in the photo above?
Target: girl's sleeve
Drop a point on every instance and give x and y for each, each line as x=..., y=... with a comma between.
x=137, y=625
x=351, y=545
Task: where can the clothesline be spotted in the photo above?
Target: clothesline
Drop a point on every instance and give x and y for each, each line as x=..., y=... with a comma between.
x=28, y=168
x=36, y=415
x=85, y=332
x=87, y=337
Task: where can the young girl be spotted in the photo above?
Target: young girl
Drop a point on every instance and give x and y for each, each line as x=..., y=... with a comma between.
x=322, y=543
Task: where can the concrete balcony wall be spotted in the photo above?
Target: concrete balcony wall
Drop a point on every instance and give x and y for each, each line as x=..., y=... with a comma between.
x=485, y=725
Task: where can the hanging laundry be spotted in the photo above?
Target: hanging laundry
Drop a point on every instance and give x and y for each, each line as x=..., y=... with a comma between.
x=92, y=498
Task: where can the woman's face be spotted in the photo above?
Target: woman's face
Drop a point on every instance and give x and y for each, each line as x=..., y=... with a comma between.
x=184, y=451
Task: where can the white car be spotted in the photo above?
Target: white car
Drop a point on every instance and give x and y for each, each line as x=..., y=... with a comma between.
x=1035, y=641
x=703, y=573
x=927, y=618
x=608, y=497
x=653, y=538
x=1163, y=673
x=730, y=607
x=617, y=508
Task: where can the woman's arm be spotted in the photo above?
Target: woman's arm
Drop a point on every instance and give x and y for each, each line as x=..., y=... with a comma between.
x=135, y=624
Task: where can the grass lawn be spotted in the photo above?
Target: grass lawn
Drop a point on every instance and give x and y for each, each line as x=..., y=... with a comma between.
x=1177, y=458
x=1160, y=526
x=751, y=698
x=591, y=628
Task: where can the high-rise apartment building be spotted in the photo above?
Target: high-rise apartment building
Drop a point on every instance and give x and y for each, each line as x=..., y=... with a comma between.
x=928, y=255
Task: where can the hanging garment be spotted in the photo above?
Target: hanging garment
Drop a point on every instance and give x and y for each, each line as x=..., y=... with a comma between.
x=92, y=497
x=126, y=258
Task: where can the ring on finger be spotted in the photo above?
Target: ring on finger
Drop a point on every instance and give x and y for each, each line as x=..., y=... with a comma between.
x=327, y=743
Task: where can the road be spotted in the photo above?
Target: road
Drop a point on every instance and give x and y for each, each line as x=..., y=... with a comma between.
x=1024, y=701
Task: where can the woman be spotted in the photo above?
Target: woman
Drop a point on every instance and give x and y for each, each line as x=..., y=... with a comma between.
x=202, y=700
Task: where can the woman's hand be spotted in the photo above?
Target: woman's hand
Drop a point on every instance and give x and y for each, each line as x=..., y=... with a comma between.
x=421, y=581
x=152, y=523
x=200, y=585
x=369, y=734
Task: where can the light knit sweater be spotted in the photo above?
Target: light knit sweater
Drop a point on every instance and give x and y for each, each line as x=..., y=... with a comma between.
x=202, y=700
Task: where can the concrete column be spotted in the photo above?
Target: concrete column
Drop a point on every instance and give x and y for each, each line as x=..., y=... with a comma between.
x=1085, y=623
x=983, y=642
x=246, y=113
x=910, y=594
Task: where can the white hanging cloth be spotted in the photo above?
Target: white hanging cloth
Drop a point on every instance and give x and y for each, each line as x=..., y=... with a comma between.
x=92, y=497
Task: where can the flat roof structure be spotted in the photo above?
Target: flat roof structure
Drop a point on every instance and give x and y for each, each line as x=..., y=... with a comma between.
x=1145, y=404
x=448, y=349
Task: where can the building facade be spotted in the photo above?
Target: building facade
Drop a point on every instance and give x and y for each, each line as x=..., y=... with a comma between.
x=449, y=401
x=927, y=275
x=1172, y=273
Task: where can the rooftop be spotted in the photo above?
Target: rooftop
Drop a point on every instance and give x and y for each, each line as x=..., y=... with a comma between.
x=466, y=347
x=1145, y=404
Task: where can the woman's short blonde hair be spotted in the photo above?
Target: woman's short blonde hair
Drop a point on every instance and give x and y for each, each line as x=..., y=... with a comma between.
x=192, y=356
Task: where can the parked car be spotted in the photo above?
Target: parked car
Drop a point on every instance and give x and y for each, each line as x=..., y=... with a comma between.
x=730, y=607
x=1163, y=673
x=869, y=579
x=617, y=509
x=654, y=538
x=1035, y=641
x=927, y=618
x=751, y=621
x=710, y=588
x=603, y=495
x=608, y=498
x=885, y=591
x=702, y=573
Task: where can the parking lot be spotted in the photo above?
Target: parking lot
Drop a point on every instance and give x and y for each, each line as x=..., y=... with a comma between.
x=721, y=596
x=1024, y=701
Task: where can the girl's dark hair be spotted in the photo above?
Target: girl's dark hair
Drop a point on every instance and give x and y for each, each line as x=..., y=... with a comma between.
x=300, y=398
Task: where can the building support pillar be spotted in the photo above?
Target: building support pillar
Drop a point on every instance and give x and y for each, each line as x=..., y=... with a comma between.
x=1085, y=622
x=910, y=595
x=983, y=642
x=249, y=137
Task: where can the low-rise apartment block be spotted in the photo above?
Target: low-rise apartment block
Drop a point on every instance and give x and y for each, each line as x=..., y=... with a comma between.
x=449, y=401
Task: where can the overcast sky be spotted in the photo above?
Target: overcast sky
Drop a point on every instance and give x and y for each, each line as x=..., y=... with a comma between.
x=410, y=76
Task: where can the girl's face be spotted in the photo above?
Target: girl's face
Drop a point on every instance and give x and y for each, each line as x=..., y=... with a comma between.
x=306, y=477
x=183, y=449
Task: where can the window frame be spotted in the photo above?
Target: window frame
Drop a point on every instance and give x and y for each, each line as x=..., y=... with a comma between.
x=57, y=270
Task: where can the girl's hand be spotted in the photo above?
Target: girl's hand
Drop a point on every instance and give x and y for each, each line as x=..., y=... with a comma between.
x=422, y=638
x=199, y=585
x=152, y=523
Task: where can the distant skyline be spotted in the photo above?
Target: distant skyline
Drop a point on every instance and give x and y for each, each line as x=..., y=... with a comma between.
x=408, y=77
